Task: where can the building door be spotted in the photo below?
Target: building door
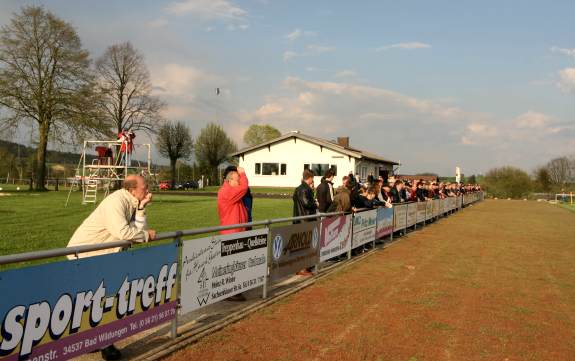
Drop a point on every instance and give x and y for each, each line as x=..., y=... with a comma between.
x=384, y=174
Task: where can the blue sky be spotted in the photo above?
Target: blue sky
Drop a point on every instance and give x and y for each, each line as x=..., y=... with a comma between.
x=434, y=84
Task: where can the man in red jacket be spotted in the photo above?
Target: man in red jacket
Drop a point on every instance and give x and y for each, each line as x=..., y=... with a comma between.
x=231, y=209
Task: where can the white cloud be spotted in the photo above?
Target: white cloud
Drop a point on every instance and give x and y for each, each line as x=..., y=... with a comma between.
x=311, y=50
x=211, y=10
x=345, y=73
x=319, y=49
x=181, y=82
x=564, y=51
x=567, y=79
x=532, y=120
x=482, y=129
x=289, y=55
x=298, y=33
x=158, y=23
x=405, y=46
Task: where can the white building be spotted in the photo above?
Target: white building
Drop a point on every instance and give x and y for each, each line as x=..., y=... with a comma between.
x=280, y=162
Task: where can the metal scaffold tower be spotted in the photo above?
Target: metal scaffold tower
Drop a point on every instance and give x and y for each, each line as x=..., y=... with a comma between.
x=109, y=166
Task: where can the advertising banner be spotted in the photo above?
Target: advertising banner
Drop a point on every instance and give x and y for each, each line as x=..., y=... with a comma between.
x=443, y=206
x=364, y=224
x=435, y=207
x=384, y=222
x=399, y=217
x=335, y=238
x=421, y=207
x=294, y=248
x=62, y=310
x=411, y=214
x=428, y=210
x=217, y=267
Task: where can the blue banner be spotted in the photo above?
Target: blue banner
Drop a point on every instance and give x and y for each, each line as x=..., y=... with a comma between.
x=64, y=309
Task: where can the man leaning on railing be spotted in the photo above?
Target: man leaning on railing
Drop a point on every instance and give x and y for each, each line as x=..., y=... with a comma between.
x=120, y=217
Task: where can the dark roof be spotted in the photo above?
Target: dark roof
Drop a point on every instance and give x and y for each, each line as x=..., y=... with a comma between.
x=353, y=152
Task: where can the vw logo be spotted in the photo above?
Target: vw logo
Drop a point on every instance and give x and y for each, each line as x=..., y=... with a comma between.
x=277, y=246
x=315, y=238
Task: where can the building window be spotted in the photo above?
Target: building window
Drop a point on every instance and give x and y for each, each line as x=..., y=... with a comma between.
x=270, y=168
x=320, y=169
x=363, y=174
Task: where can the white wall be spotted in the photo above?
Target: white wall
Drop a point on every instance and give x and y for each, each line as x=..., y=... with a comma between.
x=294, y=155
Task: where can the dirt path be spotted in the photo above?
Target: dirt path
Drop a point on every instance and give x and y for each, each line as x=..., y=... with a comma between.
x=494, y=282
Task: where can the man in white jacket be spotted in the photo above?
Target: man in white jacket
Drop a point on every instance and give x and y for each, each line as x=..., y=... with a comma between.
x=120, y=217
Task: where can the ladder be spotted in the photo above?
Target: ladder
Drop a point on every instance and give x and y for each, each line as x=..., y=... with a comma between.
x=90, y=191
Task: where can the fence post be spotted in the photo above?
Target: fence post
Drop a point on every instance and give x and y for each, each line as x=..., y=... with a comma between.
x=174, y=328
x=351, y=248
x=267, y=276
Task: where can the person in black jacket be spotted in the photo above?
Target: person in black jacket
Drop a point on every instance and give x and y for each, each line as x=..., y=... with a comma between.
x=324, y=191
x=303, y=200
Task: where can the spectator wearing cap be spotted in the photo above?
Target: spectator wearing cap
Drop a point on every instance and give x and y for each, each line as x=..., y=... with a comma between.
x=248, y=199
x=231, y=208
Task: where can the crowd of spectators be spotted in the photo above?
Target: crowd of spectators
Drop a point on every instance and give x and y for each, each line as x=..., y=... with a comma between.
x=376, y=192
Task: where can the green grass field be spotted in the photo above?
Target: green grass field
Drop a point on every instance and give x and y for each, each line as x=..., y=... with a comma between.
x=31, y=221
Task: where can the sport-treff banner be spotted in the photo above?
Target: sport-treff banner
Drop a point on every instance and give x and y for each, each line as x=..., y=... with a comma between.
x=399, y=217
x=294, y=248
x=421, y=208
x=335, y=236
x=436, y=207
x=428, y=210
x=411, y=214
x=62, y=310
x=384, y=224
x=364, y=224
x=217, y=267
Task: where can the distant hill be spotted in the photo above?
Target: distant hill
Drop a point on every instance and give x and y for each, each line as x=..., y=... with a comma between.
x=52, y=156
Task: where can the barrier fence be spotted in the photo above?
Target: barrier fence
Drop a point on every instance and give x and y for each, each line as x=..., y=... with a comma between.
x=65, y=309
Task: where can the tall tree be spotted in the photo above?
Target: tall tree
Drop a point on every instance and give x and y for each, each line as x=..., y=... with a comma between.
x=559, y=170
x=174, y=142
x=258, y=134
x=213, y=147
x=543, y=179
x=125, y=90
x=45, y=78
x=507, y=182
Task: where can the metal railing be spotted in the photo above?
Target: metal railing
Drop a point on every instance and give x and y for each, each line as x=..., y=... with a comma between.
x=59, y=252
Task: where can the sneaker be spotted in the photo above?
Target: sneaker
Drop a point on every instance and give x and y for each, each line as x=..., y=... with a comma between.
x=111, y=353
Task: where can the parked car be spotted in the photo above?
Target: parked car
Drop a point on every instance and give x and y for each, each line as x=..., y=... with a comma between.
x=190, y=185
x=165, y=185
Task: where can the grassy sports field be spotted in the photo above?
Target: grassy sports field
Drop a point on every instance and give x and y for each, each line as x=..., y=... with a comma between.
x=493, y=282
x=31, y=221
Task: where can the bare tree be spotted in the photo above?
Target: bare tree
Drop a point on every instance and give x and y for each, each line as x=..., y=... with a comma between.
x=213, y=147
x=174, y=142
x=45, y=78
x=559, y=170
x=125, y=90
